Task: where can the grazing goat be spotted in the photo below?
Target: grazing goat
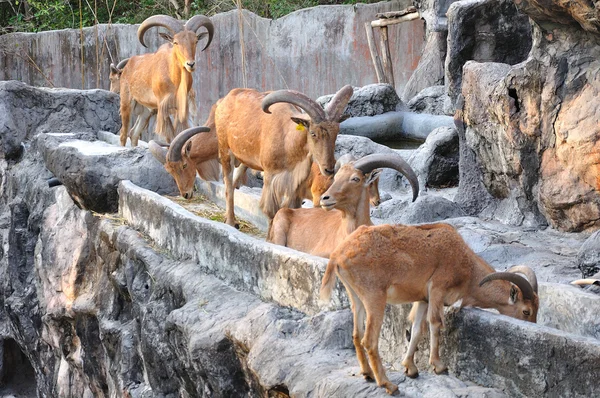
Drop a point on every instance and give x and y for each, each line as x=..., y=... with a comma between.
x=429, y=264
x=281, y=142
x=193, y=150
x=344, y=207
x=162, y=80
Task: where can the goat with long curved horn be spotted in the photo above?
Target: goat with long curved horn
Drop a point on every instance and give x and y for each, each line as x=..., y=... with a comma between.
x=338, y=103
x=522, y=283
x=198, y=21
x=311, y=107
x=344, y=207
x=173, y=25
x=369, y=163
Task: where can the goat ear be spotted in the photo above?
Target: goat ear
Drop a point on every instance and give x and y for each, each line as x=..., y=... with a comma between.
x=202, y=35
x=188, y=148
x=373, y=176
x=514, y=293
x=114, y=69
x=166, y=36
x=302, y=121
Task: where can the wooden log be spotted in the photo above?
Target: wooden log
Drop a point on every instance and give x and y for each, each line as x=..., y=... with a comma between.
x=380, y=23
x=396, y=14
x=386, y=56
x=374, y=55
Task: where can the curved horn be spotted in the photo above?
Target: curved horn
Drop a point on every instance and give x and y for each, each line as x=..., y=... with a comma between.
x=165, y=21
x=122, y=64
x=198, y=21
x=338, y=103
x=522, y=283
x=314, y=110
x=174, y=153
x=158, y=151
x=529, y=273
x=376, y=160
x=585, y=282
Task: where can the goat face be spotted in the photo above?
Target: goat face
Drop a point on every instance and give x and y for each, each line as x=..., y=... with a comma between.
x=184, y=172
x=519, y=307
x=321, y=141
x=184, y=48
x=349, y=186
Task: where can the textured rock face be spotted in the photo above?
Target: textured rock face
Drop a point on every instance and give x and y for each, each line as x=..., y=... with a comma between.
x=370, y=100
x=484, y=31
x=432, y=100
x=588, y=257
x=532, y=129
x=436, y=161
x=25, y=111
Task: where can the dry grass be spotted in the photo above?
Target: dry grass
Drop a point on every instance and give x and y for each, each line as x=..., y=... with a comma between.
x=202, y=207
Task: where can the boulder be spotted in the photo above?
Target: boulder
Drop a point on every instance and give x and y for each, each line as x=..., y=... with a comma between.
x=91, y=169
x=432, y=100
x=531, y=129
x=26, y=111
x=436, y=161
x=426, y=209
x=484, y=31
x=588, y=257
x=370, y=100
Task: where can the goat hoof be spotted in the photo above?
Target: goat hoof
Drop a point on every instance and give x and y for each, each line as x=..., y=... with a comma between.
x=412, y=373
x=368, y=376
x=440, y=370
x=237, y=226
x=391, y=388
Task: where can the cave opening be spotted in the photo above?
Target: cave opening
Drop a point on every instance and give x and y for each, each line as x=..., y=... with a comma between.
x=513, y=94
x=17, y=377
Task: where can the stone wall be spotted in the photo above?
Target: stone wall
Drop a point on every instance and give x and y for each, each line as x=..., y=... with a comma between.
x=315, y=50
x=532, y=135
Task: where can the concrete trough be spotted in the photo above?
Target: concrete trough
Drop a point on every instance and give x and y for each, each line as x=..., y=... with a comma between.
x=522, y=358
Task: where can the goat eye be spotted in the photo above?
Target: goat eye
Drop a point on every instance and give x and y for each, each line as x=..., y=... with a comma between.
x=355, y=179
x=313, y=135
x=526, y=312
x=184, y=166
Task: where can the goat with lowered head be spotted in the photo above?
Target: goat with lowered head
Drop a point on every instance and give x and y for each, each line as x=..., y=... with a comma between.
x=281, y=142
x=193, y=150
x=344, y=207
x=428, y=264
x=162, y=80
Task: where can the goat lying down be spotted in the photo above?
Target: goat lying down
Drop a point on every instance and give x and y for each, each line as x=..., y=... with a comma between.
x=428, y=264
x=344, y=207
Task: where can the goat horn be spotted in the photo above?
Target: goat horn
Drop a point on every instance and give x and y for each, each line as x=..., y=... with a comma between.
x=314, y=110
x=336, y=106
x=122, y=64
x=370, y=162
x=168, y=22
x=529, y=273
x=158, y=151
x=198, y=21
x=174, y=153
x=584, y=282
x=522, y=283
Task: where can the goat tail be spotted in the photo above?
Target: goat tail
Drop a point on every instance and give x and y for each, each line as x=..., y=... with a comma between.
x=328, y=282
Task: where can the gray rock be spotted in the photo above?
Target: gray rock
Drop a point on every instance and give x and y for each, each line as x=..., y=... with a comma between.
x=426, y=209
x=91, y=170
x=588, y=257
x=484, y=31
x=430, y=71
x=432, y=100
x=26, y=111
x=436, y=161
x=370, y=100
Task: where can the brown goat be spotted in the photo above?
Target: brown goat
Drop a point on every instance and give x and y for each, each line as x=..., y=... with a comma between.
x=428, y=264
x=280, y=141
x=344, y=207
x=162, y=80
x=193, y=150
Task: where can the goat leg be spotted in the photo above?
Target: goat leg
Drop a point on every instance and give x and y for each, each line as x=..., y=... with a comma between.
x=358, y=310
x=418, y=311
x=434, y=316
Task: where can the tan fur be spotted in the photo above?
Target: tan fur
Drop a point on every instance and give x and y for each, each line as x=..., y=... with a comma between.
x=318, y=231
x=270, y=142
x=427, y=264
x=160, y=81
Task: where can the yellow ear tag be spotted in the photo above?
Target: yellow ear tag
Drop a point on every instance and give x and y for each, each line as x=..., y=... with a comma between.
x=300, y=127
